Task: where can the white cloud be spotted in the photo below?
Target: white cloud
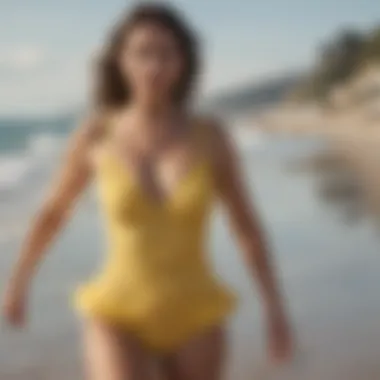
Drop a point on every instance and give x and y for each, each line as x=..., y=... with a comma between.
x=22, y=58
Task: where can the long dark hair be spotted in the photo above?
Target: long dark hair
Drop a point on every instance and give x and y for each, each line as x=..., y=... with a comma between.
x=111, y=90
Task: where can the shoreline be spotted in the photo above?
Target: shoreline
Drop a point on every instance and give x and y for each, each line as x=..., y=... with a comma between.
x=353, y=140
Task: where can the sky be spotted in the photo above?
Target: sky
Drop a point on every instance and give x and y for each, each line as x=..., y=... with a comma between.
x=46, y=46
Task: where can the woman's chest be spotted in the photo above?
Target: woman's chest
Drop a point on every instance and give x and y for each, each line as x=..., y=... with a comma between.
x=127, y=196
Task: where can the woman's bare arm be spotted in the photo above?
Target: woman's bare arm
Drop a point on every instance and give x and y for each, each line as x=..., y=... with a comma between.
x=244, y=220
x=247, y=228
x=70, y=181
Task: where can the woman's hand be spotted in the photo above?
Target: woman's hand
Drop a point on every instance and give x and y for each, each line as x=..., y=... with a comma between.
x=14, y=306
x=280, y=339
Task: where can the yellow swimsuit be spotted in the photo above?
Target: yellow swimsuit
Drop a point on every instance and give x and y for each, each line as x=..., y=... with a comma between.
x=157, y=282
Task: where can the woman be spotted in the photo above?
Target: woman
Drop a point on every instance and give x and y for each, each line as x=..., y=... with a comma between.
x=158, y=169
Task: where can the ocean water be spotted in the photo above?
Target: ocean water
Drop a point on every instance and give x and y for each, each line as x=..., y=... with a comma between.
x=329, y=271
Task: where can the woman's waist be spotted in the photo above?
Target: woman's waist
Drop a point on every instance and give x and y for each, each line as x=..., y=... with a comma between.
x=143, y=250
x=155, y=265
x=159, y=284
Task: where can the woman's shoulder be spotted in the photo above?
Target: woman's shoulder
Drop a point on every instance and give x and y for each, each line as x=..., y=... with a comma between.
x=95, y=125
x=214, y=139
x=211, y=126
x=214, y=132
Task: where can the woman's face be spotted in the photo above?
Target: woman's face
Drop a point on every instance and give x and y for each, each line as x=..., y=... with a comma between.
x=151, y=62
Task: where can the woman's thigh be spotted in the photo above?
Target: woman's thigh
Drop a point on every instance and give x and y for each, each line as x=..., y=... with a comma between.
x=113, y=355
x=200, y=359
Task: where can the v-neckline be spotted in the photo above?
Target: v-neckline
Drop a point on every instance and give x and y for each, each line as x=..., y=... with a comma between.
x=171, y=195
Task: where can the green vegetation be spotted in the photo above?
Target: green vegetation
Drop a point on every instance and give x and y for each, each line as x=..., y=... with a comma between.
x=338, y=61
